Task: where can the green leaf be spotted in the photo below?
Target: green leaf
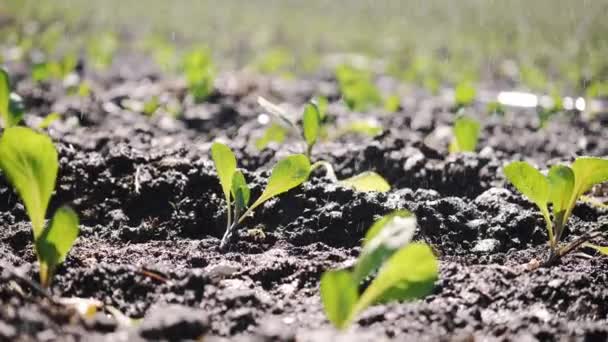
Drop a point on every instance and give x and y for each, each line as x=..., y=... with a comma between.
x=288, y=173
x=466, y=134
x=240, y=192
x=409, y=274
x=588, y=171
x=49, y=119
x=322, y=104
x=384, y=237
x=339, y=295
x=367, y=181
x=601, y=249
x=561, y=184
x=274, y=133
x=532, y=184
x=225, y=165
x=311, y=122
x=464, y=94
x=55, y=242
x=364, y=127
x=392, y=103
x=29, y=162
x=11, y=105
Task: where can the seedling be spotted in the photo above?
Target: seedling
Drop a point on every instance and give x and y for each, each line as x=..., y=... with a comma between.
x=400, y=270
x=311, y=122
x=464, y=94
x=200, y=74
x=11, y=106
x=314, y=113
x=357, y=88
x=562, y=187
x=287, y=174
x=29, y=162
x=466, y=134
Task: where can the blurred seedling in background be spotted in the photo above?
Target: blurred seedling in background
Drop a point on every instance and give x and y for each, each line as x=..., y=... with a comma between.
x=11, y=105
x=101, y=50
x=357, y=88
x=200, y=73
x=395, y=268
x=466, y=134
x=58, y=69
x=312, y=117
x=287, y=174
x=562, y=187
x=464, y=94
x=29, y=162
x=276, y=62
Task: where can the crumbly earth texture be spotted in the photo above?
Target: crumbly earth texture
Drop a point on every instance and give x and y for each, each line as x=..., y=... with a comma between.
x=152, y=215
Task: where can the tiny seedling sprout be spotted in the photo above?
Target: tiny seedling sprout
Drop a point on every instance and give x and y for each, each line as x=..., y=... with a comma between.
x=29, y=162
x=400, y=270
x=287, y=174
x=466, y=135
x=562, y=187
x=11, y=105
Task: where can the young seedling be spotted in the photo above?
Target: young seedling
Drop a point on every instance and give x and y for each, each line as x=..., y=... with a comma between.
x=287, y=174
x=357, y=88
x=200, y=73
x=562, y=187
x=314, y=113
x=464, y=94
x=400, y=270
x=11, y=106
x=28, y=160
x=466, y=134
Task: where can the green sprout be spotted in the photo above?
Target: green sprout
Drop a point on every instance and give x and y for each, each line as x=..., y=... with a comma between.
x=314, y=113
x=101, y=50
x=401, y=271
x=466, y=135
x=464, y=94
x=287, y=174
x=562, y=187
x=200, y=73
x=29, y=162
x=357, y=88
x=11, y=105
x=55, y=69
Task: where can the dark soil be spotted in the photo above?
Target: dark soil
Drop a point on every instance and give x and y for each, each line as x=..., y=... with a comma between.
x=152, y=215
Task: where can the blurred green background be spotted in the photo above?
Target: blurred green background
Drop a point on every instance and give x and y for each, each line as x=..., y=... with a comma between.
x=542, y=44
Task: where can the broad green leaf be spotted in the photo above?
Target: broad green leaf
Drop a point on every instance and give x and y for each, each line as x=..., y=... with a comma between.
x=274, y=133
x=225, y=165
x=240, y=192
x=367, y=181
x=339, y=296
x=588, y=171
x=29, y=161
x=464, y=94
x=49, y=119
x=466, y=134
x=601, y=249
x=288, y=173
x=561, y=183
x=532, y=184
x=311, y=122
x=384, y=237
x=55, y=242
x=408, y=274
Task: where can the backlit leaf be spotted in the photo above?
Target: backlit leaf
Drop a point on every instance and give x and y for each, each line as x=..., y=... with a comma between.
x=367, y=181
x=466, y=134
x=339, y=295
x=225, y=165
x=29, y=161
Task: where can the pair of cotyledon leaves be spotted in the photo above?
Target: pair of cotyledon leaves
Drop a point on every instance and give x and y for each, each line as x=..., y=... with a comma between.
x=29, y=161
x=562, y=187
x=401, y=270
